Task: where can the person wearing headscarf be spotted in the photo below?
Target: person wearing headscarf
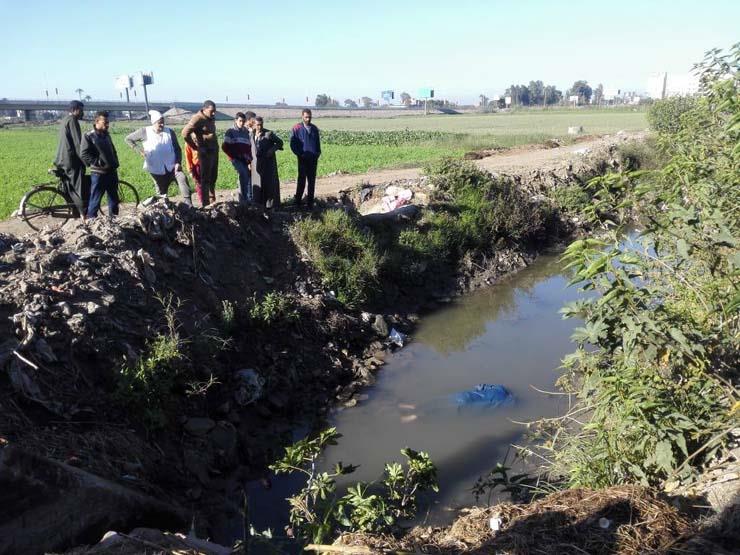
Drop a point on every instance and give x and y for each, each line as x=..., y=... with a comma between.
x=162, y=155
x=266, y=144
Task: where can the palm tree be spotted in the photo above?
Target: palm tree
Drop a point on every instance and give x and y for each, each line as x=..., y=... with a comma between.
x=79, y=92
x=88, y=98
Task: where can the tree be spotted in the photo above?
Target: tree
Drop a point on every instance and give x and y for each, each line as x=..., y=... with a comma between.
x=536, y=90
x=88, y=98
x=349, y=103
x=582, y=91
x=519, y=95
x=366, y=101
x=552, y=95
x=598, y=94
x=79, y=92
x=405, y=99
x=483, y=100
x=322, y=100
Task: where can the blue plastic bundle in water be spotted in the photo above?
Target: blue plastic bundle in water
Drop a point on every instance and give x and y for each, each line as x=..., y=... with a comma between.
x=485, y=395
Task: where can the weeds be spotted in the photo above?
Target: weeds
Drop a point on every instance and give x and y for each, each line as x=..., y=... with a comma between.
x=145, y=388
x=274, y=307
x=658, y=353
x=228, y=317
x=345, y=256
x=317, y=512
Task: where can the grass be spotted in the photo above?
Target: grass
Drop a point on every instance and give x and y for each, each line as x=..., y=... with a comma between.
x=26, y=153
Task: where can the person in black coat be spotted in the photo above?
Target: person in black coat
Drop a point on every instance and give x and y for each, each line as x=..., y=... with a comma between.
x=68, y=156
x=266, y=144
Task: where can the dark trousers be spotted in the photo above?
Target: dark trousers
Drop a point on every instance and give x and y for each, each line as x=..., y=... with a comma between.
x=306, y=173
x=78, y=187
x=163, y=184
x=208, y=175
x=103, y=183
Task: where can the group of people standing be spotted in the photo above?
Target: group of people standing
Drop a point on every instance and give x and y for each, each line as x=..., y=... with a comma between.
x=250, y=148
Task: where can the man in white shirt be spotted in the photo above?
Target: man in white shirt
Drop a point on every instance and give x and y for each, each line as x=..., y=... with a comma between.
x=162, y=155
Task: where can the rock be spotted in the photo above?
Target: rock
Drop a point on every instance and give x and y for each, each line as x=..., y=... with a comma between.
x=223, y=437
x=198, y=426
x=94, y=308
x=46, y=352
x=249, y=386
x=380, y=326
x=48, y=506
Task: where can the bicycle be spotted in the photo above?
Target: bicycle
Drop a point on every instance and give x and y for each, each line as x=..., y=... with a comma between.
x=50, y=205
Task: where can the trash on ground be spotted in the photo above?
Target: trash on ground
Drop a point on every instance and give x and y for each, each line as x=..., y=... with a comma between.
x=395, y=197
x=397, y=337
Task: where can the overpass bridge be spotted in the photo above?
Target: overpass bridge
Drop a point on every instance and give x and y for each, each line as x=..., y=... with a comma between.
x=226, y=110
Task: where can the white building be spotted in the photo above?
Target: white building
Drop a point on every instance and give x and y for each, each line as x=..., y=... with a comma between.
x=663, y=85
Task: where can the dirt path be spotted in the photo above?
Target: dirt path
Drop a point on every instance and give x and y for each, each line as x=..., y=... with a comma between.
x=517, y=160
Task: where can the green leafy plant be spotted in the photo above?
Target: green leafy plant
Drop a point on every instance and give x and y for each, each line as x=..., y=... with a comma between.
x=145, y=387
x=317, y=512
x=274, y=307
x=658, y=351
x=346, y=257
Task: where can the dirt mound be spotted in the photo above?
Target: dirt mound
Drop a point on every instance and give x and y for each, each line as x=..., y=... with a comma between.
x=91, y=301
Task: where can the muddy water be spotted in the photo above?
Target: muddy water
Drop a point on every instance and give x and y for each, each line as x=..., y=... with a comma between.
x=509, y=334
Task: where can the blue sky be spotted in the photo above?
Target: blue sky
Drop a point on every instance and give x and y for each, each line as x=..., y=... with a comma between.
x=290, y=49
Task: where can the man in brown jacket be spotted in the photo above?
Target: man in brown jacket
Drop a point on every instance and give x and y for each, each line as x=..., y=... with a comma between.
x=200, y=134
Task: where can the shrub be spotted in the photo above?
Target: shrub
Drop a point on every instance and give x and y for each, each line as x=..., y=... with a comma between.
x=572, y=198
x=274, y=307
x=345, y=256
x=657, y=354
x=664, y=116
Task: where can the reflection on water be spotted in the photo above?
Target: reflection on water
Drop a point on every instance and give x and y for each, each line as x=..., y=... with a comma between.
x=453, y=329
x=510, y=334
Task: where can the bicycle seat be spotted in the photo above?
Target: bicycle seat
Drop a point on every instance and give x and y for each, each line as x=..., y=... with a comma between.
x=57, y=171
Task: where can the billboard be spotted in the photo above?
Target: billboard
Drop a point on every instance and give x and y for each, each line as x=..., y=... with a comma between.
x=124, y=82
x=425, y=93
x=144, y=78
x=387, y=95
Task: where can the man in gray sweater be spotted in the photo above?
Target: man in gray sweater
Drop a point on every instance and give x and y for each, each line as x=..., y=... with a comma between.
x=68, y=156
x=162, y=155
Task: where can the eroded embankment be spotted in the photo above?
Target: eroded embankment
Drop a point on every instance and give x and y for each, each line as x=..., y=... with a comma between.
x=151, y=357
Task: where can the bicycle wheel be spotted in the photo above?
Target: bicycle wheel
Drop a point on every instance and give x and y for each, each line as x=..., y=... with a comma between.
x=128, y=197
x=128, y=194
x=46, y=205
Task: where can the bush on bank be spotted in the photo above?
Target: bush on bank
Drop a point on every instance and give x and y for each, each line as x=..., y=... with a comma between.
x=656, y=365
x=471, y=213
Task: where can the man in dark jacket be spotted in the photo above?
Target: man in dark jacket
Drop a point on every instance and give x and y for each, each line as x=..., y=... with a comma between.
x=266, y=144
x=200, y=134
x=68, y=156
x=99, y=154
x=306, y=145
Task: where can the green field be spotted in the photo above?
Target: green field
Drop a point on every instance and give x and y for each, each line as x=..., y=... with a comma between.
x=26, y=153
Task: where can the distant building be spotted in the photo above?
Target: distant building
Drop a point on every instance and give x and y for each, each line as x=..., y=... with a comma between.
x=662, y=85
